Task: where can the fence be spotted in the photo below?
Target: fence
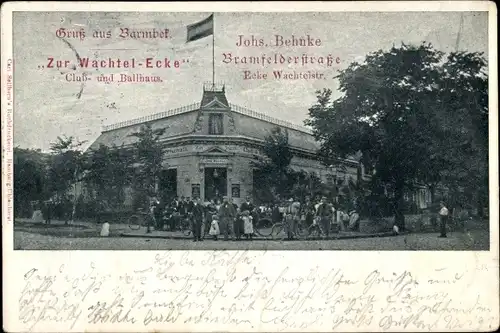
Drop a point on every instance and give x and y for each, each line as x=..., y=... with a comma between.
x=196, y=106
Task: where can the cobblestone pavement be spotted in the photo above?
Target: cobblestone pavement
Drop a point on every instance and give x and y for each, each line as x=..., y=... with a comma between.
x=474, y=240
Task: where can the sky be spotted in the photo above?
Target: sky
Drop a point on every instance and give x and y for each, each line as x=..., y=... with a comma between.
x=47, y=106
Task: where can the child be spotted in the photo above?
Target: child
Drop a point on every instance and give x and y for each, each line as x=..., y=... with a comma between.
x=214, y=227
x=247, y=225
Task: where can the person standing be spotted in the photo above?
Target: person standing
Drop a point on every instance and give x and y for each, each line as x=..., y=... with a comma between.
x=292, y=211
x=48, y=211
x=189, y=205
x=158, y=214
x=174, y=214
x=153, y=208
x=238, y=222
x=227, y=213
x=324, y=212
x=443, y=214
x=198, y=213
x=214, y=227
x=247, y=205
x=309, y=212
x=247, y=225
x=182, y=207
x=276, y=216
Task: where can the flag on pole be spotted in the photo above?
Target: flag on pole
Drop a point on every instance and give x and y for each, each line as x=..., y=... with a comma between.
x=201, y=29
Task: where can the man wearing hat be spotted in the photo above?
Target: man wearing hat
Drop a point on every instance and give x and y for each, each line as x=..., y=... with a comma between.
x=198, y=214
x=227, y=213
x=292, y=216
x=324, y=212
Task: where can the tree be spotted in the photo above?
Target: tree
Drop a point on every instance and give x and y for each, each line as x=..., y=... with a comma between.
x=462, y=153
x=64, y=173
x=273, y=169
x=30, y=179
x=309, y=184
x=148, y=154
x=107, y=173
x=391, y=112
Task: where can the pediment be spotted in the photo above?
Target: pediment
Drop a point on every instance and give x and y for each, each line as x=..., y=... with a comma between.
x=215, y=104
x=215, y=150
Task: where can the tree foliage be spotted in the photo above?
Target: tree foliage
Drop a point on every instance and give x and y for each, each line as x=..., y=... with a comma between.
x=107, y=174
x=148, y=155
x=30, y=179
x=65, y=165
x=405, y=110
x=274, y=179
x=273, y=171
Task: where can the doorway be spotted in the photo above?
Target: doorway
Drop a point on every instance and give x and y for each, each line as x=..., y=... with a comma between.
x=215, y=183
x=168, y=185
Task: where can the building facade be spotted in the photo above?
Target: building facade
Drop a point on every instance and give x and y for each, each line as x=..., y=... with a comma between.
x=209, y=147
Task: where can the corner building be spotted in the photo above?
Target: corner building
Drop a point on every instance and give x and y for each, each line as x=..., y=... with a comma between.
x=209, y=147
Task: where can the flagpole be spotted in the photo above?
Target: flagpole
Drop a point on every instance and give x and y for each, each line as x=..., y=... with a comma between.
x=460, y=27
x=213, y=52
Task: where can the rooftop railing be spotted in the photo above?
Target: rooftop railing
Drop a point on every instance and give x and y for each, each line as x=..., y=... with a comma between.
x=196, y=106
x=269, y=119
x=156, y=116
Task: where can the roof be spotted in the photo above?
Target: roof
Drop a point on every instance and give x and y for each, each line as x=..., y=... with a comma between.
x=175, y=125
x=257, y=128
x=181, y=121
x=210, y=95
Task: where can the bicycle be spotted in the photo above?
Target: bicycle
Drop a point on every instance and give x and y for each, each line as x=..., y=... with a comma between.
x=140, y=219
x=266, y=228
x=186, y=226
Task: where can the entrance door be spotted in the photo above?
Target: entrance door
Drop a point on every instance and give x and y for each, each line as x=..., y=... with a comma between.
x=168, y=185
x=215, y=183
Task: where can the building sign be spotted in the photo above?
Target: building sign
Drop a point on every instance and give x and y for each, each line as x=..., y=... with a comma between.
x=195, y=191
x=235, y=190
x=175, y=150
x=251, y=150
x=215, y=161
x=202, y=148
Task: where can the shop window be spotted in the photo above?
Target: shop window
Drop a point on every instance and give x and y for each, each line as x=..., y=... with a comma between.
x=235, y=191
x=215, y=124
x=195, y=191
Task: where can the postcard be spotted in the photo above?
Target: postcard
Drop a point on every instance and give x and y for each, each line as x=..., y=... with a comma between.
x=250, y=166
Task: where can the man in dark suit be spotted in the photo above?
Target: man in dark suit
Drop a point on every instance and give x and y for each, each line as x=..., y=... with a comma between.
x=227, y=213
x=174, y=212
x=247, y=205
x=189, y=205
x=198, y=213
x=181, y=206
x=237, y=222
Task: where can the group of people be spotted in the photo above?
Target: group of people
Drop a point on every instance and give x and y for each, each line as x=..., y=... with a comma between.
x=228, y=220
x=318, y=216
x=218, y=218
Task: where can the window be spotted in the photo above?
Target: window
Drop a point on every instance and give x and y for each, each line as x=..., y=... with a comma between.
x=235, y=191
x=195, y=191
x=215, y=124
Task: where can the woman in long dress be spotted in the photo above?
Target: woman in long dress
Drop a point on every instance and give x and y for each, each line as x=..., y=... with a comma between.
x=37, y=216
